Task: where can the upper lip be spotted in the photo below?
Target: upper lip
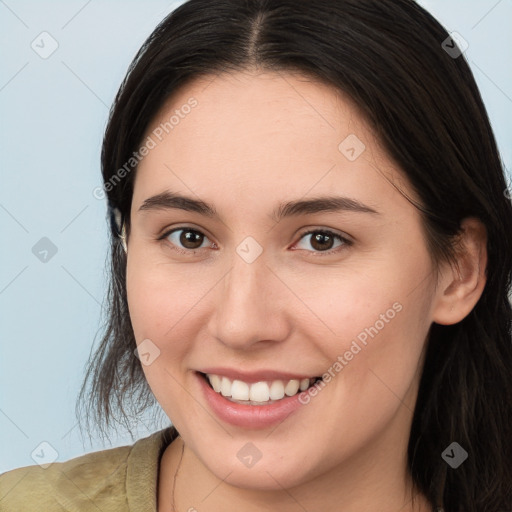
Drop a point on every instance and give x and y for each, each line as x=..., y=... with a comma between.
x=254, y=375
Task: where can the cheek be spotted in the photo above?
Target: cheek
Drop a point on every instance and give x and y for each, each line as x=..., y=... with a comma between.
x=378, y=318
x=161, y=296
x=164, y=304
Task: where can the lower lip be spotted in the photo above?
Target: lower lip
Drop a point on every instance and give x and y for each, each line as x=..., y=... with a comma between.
x=248, y=416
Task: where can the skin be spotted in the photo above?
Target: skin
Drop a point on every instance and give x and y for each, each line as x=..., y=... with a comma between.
x=256, y=139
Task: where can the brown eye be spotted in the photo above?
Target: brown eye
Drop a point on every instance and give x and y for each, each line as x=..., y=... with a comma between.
x=324, y=240
x=186, y=238
x=190, y=239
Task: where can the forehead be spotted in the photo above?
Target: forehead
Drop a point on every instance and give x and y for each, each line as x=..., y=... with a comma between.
x=274, y=107
x=261, y=133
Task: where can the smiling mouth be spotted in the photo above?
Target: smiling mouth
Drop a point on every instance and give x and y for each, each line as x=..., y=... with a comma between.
x=257, y=393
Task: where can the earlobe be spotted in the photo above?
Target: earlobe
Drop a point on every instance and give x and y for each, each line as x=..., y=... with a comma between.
x=461, y=284
x=122, y=236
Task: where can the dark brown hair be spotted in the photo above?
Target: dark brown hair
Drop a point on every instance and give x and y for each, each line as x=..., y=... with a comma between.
x=425, y=107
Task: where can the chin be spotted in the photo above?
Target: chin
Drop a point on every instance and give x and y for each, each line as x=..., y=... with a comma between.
x=264, y=479
x=271, y=474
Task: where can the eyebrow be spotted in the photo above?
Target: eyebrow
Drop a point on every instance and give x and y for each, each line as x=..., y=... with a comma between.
x=171, y=200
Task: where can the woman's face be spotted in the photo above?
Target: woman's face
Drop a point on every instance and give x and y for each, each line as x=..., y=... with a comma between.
x=242, y=291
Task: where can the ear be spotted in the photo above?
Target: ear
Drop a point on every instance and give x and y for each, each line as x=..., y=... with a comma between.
x=460, y=286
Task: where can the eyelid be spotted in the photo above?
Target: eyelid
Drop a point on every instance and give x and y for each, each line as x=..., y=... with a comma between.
x=345, y=239
x=167, y=232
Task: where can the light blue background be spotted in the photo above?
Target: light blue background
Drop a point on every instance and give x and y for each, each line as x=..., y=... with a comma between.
x=53, y=113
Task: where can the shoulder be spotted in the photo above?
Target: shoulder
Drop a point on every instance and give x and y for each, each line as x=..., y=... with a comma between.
x=91, y=482
x=77, y=484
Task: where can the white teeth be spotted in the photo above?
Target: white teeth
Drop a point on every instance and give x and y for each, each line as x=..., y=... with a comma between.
x=259, y=392
x=304, y=384
x=240, y=390
x=292, y=387
x=277, y=390
x=215, y=382
x=225, y=386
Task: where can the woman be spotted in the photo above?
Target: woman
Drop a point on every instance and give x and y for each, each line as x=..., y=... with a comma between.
x=311, y=261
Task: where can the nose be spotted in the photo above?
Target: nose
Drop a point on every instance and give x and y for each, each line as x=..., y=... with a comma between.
x=250, y=306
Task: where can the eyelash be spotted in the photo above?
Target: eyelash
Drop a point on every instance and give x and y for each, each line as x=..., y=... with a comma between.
x=188, y=252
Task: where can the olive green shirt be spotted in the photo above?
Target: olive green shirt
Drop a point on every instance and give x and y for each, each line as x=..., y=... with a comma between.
x=112, y=480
